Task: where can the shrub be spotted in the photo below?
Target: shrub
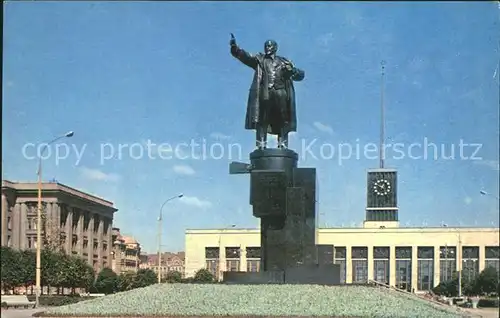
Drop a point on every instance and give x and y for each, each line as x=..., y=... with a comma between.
x=174, y=277
x=4, y=304
x=60, y=300
x=488, y=303
x=203, y=276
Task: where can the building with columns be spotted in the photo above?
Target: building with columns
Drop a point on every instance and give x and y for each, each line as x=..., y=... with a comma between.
x=77, y=222
x=411, y=258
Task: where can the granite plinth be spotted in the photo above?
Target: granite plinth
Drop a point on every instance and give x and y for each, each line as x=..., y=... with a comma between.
x=284, y=197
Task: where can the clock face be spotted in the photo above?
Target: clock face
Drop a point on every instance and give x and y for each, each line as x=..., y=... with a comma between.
x=382, y=187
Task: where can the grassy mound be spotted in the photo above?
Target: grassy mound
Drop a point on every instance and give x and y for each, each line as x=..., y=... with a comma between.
x=254, y=300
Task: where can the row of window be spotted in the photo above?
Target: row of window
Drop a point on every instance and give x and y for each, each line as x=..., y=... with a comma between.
x=381, y=270
x=253, y=265
x=381, y=266
x=361, y=252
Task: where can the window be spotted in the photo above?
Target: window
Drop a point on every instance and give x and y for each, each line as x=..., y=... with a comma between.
x=253, y=265
x=403, y=267
x=232, y=259
x=359, y=265
x=492, y=257
x=381, y=264
x=447, y=263
x=9, y=223
x=253, y=259
x=339, y=258
x=9, y=243
x=425, y=274
x=212, y=260
x=470, y=263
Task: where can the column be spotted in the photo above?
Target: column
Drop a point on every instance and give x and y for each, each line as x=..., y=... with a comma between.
x=109, y=240
x=69, y=231
x=49, y=222
x=370, y=263
x=100, y=239
x=80, y=231
x=437, y=267
x=348, y=264
x=23, y=222
x=414, y=267
x=90, y=236
x=392, y=265
x=459, y=257
x=482, y=258
x=222, y=261
x=5, y=217
x=243, y=258
x=16, y=216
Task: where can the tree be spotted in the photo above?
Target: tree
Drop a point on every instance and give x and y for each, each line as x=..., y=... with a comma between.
x=10, y=269
x=106, y=281
x=204, y=276
x=487, y=281
x=145, y=277
x=75, y=273
x=27, y=265
x=173, y=277
x=126, y=281
x=51, y=267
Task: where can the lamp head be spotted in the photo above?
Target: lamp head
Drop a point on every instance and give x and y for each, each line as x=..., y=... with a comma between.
x=69, y=134
x=180, y=195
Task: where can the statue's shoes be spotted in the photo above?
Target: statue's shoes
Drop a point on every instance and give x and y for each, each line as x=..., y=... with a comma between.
x=261, y=144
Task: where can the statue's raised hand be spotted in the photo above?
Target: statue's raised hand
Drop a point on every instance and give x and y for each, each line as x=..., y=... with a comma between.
x=232, y=42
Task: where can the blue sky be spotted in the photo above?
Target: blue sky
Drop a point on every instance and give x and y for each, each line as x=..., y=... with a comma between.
x=123, y=73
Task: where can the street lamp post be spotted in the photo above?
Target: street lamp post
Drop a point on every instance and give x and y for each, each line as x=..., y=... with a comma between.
x=38, y=289
x=160, y=219
x=459, y=252
x=219, y=267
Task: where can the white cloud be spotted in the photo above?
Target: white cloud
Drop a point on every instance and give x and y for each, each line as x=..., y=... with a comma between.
x=219, y=136
x=184, y=170
x=196, y=202
x=323, y=128
x=96, y=174
x=492, y=164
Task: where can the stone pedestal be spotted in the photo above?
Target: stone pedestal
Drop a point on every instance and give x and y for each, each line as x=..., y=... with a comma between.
x=283, y=196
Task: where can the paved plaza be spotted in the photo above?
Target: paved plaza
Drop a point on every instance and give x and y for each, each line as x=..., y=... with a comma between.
x=19, y=313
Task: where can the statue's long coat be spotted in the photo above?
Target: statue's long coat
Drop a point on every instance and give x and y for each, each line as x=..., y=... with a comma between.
x=259, y=91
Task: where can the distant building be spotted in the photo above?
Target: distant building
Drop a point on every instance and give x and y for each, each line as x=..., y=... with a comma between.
x=169, y=262
x=126, y=254
x=76, y=222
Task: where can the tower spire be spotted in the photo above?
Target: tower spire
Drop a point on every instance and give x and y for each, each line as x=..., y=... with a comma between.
x=382, y=116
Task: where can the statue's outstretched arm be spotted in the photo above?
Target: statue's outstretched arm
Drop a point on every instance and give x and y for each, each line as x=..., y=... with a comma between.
x=244, y=57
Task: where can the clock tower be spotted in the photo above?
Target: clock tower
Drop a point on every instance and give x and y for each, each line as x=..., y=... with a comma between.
x=382, y=195
x=381, y=186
